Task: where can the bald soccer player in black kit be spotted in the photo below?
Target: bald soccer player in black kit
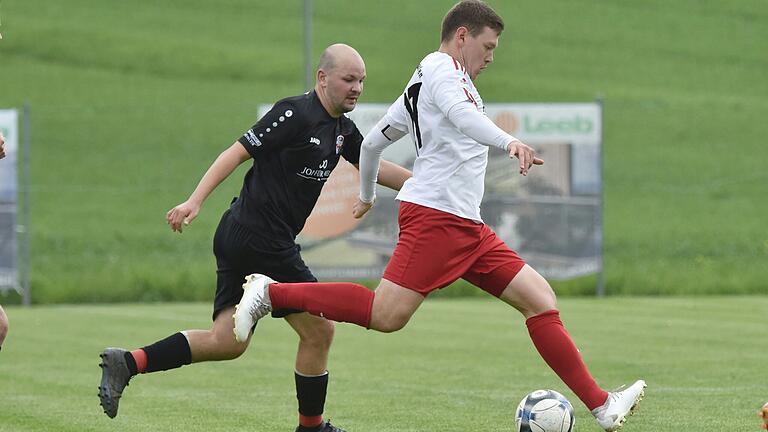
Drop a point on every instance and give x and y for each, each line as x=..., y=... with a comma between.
x=294, y=148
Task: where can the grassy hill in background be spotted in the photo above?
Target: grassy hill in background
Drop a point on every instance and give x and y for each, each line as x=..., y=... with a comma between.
x=131, y=101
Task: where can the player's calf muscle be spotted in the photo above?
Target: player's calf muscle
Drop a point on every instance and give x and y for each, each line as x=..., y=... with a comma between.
x=207, y=345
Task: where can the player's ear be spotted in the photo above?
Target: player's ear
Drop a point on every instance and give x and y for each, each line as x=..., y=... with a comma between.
x=321, y=77
x=461, y=35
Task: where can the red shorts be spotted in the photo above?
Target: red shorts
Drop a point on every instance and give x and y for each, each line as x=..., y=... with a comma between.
x=436, y=248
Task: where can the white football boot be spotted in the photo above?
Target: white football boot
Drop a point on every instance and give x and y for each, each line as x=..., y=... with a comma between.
x=620, y=404
x=254, y=305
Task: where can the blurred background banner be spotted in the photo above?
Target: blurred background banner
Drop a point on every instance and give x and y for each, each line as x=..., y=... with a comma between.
x=553, y=217
x=9, y=275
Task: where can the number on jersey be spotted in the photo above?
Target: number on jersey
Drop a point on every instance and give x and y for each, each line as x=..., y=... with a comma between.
x=411, y=99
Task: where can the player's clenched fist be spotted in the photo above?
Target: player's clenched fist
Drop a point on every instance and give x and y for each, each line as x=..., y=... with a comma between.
x=182, y=215
x=763, y=413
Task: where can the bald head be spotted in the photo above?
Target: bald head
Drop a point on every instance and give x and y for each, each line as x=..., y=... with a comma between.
x=340, y=75
x=337, y=55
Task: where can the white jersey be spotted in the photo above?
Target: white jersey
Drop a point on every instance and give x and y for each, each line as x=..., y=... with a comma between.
x=449, y=171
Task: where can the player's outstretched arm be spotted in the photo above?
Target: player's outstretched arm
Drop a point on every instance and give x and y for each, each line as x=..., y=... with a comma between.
x=480, y=128
x=222, y=167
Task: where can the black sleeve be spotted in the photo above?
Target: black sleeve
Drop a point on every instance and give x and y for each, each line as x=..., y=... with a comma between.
x=351, y=151
x=276, y=129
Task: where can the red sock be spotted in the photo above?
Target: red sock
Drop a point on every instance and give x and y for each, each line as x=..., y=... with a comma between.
x=310, y=421
x=558, y=350
x=140, y=357
x=337, y=301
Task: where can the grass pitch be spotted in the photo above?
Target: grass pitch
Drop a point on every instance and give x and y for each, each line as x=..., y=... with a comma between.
x=459, y=365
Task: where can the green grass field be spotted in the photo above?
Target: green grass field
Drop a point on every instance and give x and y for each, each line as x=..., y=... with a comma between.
x=131, y=101
x=459, y=365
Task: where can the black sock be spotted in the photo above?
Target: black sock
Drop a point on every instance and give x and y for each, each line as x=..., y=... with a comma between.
x=131, y=362
x=169, y=353
x=311, y=391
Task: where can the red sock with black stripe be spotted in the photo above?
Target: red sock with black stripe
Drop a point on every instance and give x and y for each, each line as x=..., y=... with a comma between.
x=169, y=353
x=557, y=349
x=337, y=301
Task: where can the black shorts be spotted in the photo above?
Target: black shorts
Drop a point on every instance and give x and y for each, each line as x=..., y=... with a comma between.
x=240, y=252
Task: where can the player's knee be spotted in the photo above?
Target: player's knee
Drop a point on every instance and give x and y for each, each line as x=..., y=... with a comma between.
x=392, y=324
x=234, y=350
x=550, y=298
x=541, y=305
x=545, y=300
x=228, y=348
x=535, y=299
x=319, y=335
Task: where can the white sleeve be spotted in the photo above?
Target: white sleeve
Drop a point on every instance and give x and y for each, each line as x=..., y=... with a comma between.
x=382, y=135
x=478, y=126
x=446, y=85
x=397, y=116
x=450, y=91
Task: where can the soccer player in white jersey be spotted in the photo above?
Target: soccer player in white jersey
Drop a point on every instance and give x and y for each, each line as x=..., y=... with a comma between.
x=442, y=236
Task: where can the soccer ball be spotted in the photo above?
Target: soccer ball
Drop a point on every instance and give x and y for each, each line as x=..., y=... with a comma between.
x=544, y=411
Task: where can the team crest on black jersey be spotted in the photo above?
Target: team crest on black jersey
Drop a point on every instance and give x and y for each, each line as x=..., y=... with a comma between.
x=339, y=143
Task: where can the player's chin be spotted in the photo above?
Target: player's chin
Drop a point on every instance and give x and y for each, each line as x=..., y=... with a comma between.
x=349, y=104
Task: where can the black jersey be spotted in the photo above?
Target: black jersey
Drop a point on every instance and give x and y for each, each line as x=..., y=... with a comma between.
x=295, y=146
